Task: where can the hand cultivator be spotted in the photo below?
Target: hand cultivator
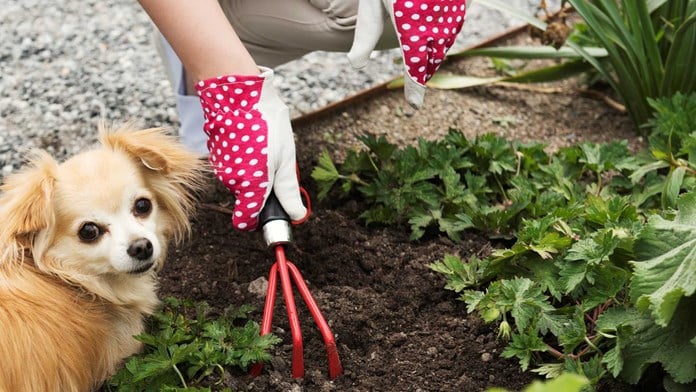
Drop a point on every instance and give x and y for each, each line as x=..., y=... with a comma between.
x=276, y=232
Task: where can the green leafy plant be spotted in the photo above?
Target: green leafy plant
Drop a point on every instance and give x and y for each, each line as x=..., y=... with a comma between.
x=599, y=278
x=649, y=53
x=488, y=184
x=564, y=383
x=186, y=350
x=672, y=144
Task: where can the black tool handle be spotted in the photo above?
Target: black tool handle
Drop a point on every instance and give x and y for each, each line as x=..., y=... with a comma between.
x=272, y=211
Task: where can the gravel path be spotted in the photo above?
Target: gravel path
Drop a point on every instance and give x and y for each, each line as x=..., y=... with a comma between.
x=64, y=65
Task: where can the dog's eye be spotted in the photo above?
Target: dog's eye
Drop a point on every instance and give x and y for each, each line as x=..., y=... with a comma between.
x=89, y=232
x=142, y=207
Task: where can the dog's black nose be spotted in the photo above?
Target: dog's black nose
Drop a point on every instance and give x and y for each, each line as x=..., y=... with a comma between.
x=141, y=249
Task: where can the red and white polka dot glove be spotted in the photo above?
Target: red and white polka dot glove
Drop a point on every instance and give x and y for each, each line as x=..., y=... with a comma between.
x=426, y=29
x=251, y=144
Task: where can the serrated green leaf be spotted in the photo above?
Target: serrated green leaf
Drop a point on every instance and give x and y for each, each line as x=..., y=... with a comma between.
x=638, y=175
x=523, y=347
x=472, y=298
x=641, y=342
x=609, y=212
x=613, y=360
x=325, y=173
x=459, y=275
x=609, y=281
x=666, y=270
x=550, y=244
x=546, y=274
x=325, y=169
x=568, y=324
x=179, y=353
x=455, y=225
x=523, y=298
x=592, y=368
x=379, y=146
x=585, y=255
x=549, y=370
x=566, y=382
x=150, y=367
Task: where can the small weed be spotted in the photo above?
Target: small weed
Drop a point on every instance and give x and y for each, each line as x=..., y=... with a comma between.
x=185, y=350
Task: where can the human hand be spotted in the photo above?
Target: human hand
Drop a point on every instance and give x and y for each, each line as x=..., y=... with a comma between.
x=251, y=144
x=426, y=29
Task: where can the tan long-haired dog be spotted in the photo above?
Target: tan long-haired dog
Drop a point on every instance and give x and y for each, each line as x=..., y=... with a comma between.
x=79, y=246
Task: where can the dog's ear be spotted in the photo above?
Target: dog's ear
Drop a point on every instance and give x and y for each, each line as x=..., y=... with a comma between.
x=25, y=203
x=156, y=150
x=174, y=172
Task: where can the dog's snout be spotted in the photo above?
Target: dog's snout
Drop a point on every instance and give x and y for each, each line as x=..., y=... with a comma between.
x=140, y=249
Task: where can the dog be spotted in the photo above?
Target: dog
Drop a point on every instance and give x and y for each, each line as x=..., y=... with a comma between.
x=80, y=245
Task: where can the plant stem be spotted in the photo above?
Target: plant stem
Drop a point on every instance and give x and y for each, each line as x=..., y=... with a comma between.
x=681, y=163
x=500, y=185
x=181, y=376
x=559, y=355
x=354, y=178
x=554, y=352
x=372, y=162
x=222, y=373
x=590, y=344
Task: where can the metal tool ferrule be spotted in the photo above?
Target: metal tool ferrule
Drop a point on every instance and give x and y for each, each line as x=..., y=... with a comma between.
x=277, y=232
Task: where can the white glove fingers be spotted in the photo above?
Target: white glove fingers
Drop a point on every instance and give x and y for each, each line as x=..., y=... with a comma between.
x=369, y=27
x=426, y=29
x=413, y=91
x=287, y=190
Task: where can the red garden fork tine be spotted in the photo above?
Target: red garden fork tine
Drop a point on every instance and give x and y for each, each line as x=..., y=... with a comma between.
x=335, y=368
x=295, y=330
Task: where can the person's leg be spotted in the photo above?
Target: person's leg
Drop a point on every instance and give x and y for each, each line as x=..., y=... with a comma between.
x=278, y=31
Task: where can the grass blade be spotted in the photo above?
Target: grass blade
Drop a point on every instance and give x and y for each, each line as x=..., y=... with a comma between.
x=546, y=74
x=529, y=52
x=654, y=4
x=679, y=74
x=450, y=81
x=552, y=73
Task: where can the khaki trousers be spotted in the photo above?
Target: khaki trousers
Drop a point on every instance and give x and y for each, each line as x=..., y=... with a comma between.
x=277, y=31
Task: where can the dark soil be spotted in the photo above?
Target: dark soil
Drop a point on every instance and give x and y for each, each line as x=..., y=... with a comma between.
x=396, y=327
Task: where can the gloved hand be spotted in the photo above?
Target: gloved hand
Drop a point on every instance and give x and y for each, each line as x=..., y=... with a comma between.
x=251, y=144
x=426, y=30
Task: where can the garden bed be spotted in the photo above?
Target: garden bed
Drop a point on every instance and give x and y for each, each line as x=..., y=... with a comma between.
x=397, y=329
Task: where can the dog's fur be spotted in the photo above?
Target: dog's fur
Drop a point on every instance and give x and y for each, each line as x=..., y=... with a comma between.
x=69, y=308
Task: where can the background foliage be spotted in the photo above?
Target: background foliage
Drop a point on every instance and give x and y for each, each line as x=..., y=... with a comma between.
x=599, y=270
